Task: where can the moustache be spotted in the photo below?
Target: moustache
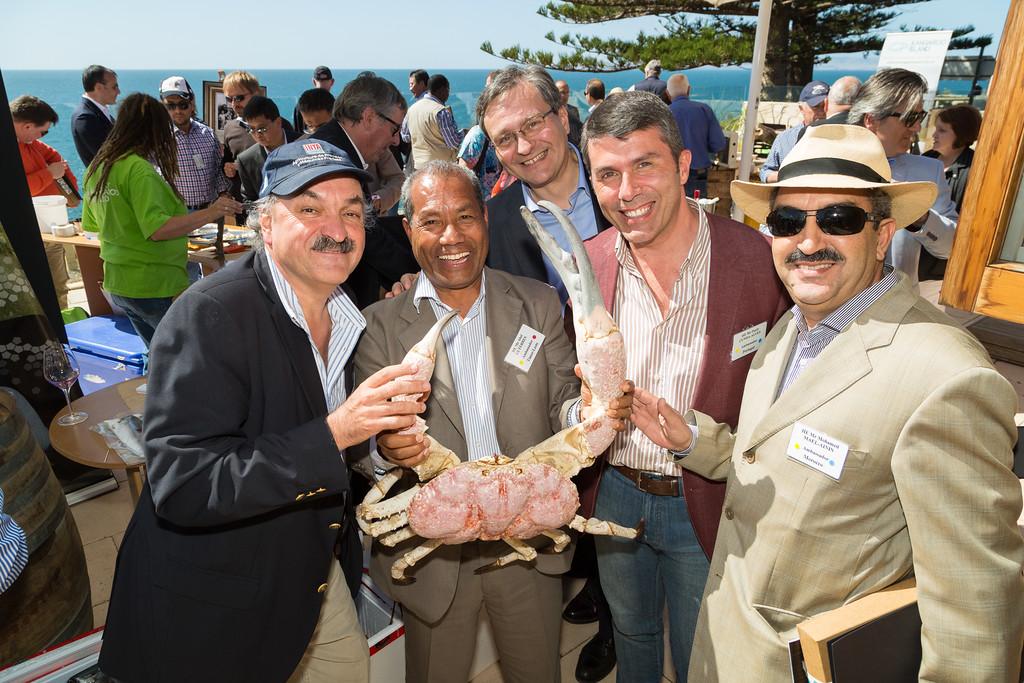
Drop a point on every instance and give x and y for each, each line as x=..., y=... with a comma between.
x=326, y=244
x=826, y=254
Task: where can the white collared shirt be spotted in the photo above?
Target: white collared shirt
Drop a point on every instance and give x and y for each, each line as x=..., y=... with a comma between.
x=103, y=107
x=347, y=323
x=465, y=342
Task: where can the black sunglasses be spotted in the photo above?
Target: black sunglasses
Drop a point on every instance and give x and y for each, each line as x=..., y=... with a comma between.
x=183, y=105
x=910, y=118
x=236, y=98
x=835, y=219
x=398, y=126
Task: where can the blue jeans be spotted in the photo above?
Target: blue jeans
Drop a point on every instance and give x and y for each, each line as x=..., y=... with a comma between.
x=637, y=577
x=145, y=314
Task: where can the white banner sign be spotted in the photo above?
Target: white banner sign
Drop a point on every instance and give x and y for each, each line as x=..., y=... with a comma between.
x=922, y=52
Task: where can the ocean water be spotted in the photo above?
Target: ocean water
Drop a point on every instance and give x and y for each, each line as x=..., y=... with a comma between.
x=724, y=89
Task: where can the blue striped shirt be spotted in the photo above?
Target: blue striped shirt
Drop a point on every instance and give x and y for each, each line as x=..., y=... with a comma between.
x=810, y=342
x=465, y=341
x=347, y=323
x=13, y=548
x=580, y=212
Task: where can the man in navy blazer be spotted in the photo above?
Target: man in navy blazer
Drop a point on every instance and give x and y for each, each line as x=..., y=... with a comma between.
x=229, y=570
x=92, y=121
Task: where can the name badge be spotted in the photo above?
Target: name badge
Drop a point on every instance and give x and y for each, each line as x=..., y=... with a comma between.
x=525, y=348
x=197, y=159
x=749, y=340
x=817, y=450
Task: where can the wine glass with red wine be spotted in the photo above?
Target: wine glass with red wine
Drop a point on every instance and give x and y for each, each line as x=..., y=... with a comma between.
x=60, y=368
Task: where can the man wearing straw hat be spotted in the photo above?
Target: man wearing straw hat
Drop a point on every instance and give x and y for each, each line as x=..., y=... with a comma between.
x=873, y=443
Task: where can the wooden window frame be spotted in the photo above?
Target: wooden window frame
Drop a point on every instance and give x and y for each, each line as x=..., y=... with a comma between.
x=976, y=279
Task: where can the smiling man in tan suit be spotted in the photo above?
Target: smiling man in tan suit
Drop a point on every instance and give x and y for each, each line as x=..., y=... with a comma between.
x=874, y=441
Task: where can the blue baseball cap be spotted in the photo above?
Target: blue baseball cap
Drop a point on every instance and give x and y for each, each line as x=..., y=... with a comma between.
x=814, y=93
x=291, y=167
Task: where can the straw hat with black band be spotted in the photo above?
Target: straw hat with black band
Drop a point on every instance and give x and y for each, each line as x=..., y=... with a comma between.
x=838, y=157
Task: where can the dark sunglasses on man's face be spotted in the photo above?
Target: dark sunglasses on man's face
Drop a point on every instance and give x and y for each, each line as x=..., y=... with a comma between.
x=911, y=118
x=183, y=105
x=235, y=98
x=835, y=219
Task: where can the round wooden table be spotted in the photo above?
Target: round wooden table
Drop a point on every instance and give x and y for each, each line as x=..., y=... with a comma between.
x=84, y=446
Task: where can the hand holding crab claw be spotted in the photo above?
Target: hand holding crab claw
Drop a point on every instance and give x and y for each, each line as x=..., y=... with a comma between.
x=619, y=409
x=660, y=422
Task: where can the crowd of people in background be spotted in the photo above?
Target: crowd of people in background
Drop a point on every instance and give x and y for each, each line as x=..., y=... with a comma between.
x=626, y=172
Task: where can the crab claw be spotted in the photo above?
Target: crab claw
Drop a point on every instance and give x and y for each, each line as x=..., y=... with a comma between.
x=427, y=347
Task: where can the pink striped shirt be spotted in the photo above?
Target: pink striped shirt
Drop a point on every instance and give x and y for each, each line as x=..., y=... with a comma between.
x=663, y=355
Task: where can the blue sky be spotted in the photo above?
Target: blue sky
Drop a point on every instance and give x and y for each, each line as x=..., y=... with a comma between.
x=400, y=34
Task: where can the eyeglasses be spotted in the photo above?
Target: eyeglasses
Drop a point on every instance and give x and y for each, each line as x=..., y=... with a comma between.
x=237, y=98
x=255, y=131
x=531, y=128
x=909, y=119
x=835, y=219
x=44, y=133
x=397, y=126
x=183, y=105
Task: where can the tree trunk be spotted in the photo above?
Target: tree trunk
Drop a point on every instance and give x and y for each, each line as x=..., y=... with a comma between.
x=777, y=60
x=801, y=59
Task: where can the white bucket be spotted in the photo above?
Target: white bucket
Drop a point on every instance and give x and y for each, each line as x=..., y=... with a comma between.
x=50, y=210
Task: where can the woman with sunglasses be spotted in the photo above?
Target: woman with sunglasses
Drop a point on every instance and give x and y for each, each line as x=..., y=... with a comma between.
x=140, y=216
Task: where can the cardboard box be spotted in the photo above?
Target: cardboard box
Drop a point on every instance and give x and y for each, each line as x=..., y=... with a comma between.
x=876, y=638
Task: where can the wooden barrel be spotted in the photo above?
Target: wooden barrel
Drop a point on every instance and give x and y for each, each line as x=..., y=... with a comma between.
x=50, y=602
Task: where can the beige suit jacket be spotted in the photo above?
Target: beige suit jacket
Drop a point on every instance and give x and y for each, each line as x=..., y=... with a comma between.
x=528, y=408
x=926, y=490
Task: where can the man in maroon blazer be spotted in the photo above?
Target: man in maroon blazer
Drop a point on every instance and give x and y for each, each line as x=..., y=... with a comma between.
x=694, y=295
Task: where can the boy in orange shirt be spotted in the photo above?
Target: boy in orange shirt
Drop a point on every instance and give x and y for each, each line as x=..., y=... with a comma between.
x=43, y=167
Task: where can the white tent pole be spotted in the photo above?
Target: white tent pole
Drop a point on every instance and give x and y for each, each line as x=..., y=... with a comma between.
x=764, y=13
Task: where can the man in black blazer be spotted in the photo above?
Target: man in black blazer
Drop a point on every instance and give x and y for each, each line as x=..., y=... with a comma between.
x=92, y=121
x=229, y=570
x=546, y=165
x=368, y=116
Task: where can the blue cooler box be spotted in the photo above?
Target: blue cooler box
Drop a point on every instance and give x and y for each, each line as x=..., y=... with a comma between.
x=108, y=351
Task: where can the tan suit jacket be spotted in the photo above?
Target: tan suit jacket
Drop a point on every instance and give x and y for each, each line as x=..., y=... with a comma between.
x=528, y=408
x=926, y=490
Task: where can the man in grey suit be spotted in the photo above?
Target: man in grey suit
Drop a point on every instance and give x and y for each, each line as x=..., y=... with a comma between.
x=874, y=441
x=481, y=404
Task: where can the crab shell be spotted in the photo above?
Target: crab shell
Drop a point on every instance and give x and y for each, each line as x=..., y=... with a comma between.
x=491, y=499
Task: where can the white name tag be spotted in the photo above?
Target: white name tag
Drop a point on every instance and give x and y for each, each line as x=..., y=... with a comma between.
x=197, y=159
x=525, y=348
x=749, y=340
x=817, y=450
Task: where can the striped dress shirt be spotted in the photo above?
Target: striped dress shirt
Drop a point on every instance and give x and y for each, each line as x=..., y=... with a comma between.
x=811, y=342
x=13, y=548
x=465, y=342
x=347, y=323
x=200, y=171
x=663, y=354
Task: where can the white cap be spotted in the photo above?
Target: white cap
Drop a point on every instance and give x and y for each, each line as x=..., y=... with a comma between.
x=176, y=85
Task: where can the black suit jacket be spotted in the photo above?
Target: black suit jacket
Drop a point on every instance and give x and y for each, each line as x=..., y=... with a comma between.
x=247, y=500
x=512, y=247
x=89, y=128
x=388, y=255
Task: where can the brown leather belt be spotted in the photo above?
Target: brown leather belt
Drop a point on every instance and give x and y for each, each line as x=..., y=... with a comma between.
x=655, y=484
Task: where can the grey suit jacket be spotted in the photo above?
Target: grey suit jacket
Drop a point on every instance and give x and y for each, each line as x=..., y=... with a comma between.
x=926, y=489
x=528, y=408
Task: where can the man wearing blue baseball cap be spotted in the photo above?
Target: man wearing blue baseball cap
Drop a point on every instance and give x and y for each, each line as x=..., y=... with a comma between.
x=230, y=568
x=813, y=104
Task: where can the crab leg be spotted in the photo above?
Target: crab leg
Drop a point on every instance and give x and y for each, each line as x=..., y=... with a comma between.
x=396, y=537
x=411, y=558
x=520, y=551
x=560, y=538
x=599, y=344
x=599, y=527
x=395, y=521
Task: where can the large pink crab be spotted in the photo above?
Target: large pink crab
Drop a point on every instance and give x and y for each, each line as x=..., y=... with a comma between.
x=500, y=498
